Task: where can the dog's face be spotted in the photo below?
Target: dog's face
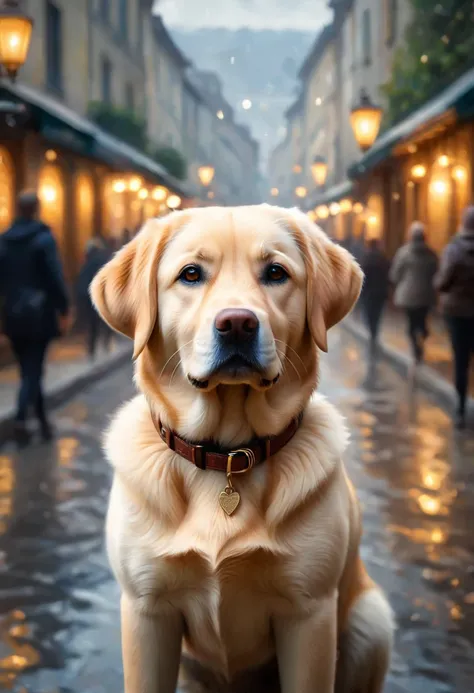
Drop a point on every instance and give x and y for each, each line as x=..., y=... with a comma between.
x=227, y=296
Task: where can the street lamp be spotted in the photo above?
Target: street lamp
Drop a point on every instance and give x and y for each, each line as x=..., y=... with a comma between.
x=319, y=170
x=365, y=121
x=206, y=174
x=15, y=37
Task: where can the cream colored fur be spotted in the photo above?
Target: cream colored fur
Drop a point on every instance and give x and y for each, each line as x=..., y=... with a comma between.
x=279, y=585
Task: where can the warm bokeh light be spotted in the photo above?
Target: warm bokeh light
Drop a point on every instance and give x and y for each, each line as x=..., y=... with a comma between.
x=297, y=168
x=346, y=206
x=119, y=186
x=443, y=161
x=143, y=194
x=220, y=115
x=334, y=208
x=429, y=504
x=459, y=173
x=51, y=155
x=48, y=193
x=358, y=208
x=135, y=183
x=301, y=191
x=312, y=215
x=439, y=187
x=418, y=171
x=173, y=201
x=246, y=104
x=274, y=192
x=322, y=212
x=159, y=193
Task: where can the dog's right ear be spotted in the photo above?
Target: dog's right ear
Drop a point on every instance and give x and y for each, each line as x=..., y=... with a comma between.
x=125, y=290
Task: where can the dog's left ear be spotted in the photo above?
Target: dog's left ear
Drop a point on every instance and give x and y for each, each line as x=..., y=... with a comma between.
x=125, y=290
x=334, y=279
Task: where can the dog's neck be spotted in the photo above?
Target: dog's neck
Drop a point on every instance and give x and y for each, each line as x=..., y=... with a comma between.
x=231, y=414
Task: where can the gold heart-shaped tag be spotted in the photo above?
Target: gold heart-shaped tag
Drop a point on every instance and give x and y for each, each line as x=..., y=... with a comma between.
x=229, y=500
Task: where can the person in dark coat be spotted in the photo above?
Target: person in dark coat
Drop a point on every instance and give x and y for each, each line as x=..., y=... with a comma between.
x=35, y=303
x=97, y=255
x=376, y=268
x=455, y=282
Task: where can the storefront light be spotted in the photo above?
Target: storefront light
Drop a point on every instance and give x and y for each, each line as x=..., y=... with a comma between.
x=346, y=206
x=160, y=193
x=50, y=155
x=173, y=201
x=143, y=194
x=418, y=171
x=119, y=186
x=439, y=187
x=443, y=161
x=459, y=174
x=358, y=208
x=48, y=194
x=135, y=184
x=322, y=212
x=334, y=209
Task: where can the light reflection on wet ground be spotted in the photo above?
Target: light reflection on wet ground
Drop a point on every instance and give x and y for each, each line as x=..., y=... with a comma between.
x=59, y=627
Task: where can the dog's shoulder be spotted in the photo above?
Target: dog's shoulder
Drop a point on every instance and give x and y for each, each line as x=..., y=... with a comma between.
x=129, y=433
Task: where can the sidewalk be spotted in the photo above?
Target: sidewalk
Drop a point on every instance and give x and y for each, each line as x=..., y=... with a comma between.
x=436, y=373
x=68, y=370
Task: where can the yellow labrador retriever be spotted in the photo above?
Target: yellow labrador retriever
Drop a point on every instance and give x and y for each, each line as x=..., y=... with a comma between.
x=232, y=527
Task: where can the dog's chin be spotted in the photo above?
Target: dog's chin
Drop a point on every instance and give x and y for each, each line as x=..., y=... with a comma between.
x=236, y=372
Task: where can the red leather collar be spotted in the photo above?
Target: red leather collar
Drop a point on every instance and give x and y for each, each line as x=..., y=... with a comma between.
x=207, y=455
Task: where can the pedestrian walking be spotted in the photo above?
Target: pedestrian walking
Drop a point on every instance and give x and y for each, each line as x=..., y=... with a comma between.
x=376, y=268
x=455, y=282
x=412, y=273
x=97, y=255
x=35, y=304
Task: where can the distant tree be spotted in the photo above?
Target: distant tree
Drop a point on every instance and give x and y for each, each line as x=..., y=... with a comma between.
x=438, y=48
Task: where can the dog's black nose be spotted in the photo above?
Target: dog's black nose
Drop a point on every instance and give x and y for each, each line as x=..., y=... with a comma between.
x=236, y=324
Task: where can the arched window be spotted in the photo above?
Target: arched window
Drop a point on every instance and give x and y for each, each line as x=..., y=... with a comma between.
x=52, y=197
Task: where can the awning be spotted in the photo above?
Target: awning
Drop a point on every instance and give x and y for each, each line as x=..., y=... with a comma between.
x=121, y=155
x=56, y=122
x=60, y=125
x=455, y=102
x=333, y=194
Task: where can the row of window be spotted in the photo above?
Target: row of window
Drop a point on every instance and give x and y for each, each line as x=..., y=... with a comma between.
x=123, y=18
x=391, y=28
x=54, y=61
x=107, y=75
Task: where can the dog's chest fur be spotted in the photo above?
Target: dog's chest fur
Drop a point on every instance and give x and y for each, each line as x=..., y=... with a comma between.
x=171, y=545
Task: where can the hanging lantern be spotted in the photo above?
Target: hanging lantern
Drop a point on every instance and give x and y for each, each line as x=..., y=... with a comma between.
x=319, y=170
x=206, y=174
x=365, y=121
x=15, y=37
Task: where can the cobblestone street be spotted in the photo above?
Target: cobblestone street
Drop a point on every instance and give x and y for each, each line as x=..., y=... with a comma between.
x=59, y=621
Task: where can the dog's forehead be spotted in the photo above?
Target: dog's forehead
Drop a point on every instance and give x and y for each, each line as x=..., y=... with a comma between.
x=241, y=228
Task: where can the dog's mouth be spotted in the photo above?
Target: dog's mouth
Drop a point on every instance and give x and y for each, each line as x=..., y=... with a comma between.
x=234, y=368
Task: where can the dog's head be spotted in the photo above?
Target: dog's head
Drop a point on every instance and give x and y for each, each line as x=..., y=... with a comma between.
x=228, y=296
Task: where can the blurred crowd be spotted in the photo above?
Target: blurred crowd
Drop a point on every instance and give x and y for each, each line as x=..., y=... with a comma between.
x=420, y=281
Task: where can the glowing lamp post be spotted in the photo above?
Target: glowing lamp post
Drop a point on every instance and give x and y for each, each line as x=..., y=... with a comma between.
x=15, y=37
x=365, y=121
x=319, y=170
x=206, y=176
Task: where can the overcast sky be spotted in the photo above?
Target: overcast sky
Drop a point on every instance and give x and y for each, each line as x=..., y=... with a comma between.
x=258, y=14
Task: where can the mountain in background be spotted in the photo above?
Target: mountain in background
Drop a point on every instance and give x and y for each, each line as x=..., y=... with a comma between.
x=260, y=65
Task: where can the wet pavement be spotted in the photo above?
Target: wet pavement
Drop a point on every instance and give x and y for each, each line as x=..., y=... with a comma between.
x=59, y=623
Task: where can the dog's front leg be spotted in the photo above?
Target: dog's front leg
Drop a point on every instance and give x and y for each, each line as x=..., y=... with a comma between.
x=151, y=648
x=307, y=648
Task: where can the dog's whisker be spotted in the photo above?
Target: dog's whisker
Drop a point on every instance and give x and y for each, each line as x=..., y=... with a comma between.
x=173, y=355
x=174, y=371
x=294, y=352
x=287, y=359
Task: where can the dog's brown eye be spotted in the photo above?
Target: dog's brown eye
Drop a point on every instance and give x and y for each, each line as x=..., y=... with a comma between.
x=275, y=274
x=192, y=274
